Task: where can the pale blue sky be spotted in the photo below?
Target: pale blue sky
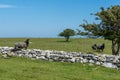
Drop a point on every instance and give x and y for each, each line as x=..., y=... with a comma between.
x=46, y=18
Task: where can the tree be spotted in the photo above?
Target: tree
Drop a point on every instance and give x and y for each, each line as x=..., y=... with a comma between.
x=108, y=27
x=67, y=33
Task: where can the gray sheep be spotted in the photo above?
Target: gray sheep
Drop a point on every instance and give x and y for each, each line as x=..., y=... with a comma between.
x=21, y=45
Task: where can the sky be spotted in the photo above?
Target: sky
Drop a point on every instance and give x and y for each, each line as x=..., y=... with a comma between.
x=46, y=18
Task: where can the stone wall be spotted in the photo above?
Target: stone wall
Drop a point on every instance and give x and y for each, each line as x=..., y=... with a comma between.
x=62, y=56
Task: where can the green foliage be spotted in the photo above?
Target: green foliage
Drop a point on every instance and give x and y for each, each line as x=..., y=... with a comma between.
x=109, y=26
x=110, y=22
x=67, y=33
x=91, y=30
x=16, y=68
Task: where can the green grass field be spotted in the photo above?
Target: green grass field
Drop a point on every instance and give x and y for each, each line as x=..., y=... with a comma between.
x=75, y=45
x=20, y=68
x=16, y=68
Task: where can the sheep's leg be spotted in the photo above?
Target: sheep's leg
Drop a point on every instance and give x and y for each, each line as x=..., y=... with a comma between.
x=16, y=47
x=102, y=50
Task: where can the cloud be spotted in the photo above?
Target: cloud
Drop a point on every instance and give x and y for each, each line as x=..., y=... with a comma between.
x=6, y=6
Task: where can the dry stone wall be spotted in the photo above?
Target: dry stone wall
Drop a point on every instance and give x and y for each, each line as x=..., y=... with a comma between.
x=62, y=56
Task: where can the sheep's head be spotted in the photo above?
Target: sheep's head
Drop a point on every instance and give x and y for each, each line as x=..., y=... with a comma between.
x=27, y=42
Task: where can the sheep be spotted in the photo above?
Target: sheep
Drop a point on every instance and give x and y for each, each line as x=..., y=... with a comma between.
x=101, y=47
x=98, y=47
x=21, y=45
x=94, y=47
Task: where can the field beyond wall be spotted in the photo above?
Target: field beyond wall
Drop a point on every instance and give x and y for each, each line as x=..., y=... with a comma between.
x=74, y=45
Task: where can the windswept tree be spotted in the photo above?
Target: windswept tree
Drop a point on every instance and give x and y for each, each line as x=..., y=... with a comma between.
x=108, y=27
x=67, y=33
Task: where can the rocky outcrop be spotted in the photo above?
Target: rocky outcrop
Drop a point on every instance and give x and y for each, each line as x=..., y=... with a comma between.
x=62, y=56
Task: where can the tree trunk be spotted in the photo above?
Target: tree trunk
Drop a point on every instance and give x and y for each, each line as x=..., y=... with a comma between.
x=115, y=47
x=67, y=38
x=113, y=51
x=118, y=48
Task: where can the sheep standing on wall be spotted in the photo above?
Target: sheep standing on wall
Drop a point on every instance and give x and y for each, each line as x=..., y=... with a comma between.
x=21, y=45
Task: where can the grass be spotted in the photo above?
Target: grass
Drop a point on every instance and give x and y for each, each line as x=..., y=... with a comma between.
x=20, y=68
x=74, y=45
x=26, y=69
